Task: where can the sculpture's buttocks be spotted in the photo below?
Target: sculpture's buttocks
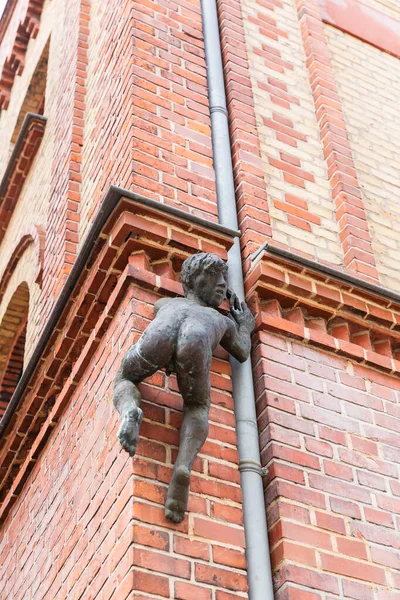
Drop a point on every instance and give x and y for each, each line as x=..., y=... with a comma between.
x=190, y=319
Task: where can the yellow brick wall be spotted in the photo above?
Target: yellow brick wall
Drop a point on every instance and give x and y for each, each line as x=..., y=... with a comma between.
x=7, y=42
x=35, y=195
x=9, y=117
x=368, y=81
x=322, y=242
x=388, y=7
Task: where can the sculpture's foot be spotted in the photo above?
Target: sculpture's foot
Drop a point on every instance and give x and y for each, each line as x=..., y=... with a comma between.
x=128, y=433
x=178, y=494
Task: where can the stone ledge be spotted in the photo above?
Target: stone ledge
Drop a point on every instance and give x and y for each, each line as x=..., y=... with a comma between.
x=133, y=241
x=25, y=150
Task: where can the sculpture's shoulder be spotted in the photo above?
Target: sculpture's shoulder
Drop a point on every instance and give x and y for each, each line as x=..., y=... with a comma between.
x=163, y=302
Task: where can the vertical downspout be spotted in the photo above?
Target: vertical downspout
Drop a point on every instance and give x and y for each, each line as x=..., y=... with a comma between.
x=255, y=525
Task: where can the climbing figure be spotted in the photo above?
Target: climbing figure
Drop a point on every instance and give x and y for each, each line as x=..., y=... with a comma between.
x=181, y=338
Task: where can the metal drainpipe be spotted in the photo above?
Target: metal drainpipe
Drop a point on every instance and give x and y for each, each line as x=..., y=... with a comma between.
x=255, y=525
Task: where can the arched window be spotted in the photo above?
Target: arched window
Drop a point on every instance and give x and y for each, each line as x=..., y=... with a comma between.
x=34, y=101
x=12, y=344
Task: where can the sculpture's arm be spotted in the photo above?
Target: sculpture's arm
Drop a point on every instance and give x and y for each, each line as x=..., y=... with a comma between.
x=240, y=325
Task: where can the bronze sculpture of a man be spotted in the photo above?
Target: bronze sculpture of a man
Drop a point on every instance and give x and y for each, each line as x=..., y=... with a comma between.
x=181, y=338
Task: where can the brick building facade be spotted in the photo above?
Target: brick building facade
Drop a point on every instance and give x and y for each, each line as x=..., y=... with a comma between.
x=107, y=185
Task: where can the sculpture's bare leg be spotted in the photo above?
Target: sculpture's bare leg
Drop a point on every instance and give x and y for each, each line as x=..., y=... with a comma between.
x=193, y=435
x=193, y=369
x=134, y=368
x=127, y=402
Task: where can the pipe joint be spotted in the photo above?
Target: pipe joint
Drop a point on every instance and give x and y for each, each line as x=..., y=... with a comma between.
x=247, y=464
x=221, y=109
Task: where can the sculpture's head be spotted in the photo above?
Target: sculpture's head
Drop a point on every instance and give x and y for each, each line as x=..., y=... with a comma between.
x=205, y=276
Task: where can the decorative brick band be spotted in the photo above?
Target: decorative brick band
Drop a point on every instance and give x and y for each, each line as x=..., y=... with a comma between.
x=251, y=194
x=75, y=164
x=324, y=312
x=346, y=191
x=14, y=64
x=140, y=244
x=21, y=160
x=361, y=21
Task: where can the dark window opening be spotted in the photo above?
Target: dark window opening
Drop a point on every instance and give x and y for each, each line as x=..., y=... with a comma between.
x=13, y=371
x=13, y=329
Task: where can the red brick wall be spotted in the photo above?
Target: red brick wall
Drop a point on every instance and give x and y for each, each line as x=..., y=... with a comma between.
x=329, y=436
x=107, y=124
x=151, y=131
x=171, y=141
x=127, y=105
x=66, y=180
x=90, y=518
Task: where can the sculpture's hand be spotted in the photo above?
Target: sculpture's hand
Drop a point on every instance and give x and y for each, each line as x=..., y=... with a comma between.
x=240, y=311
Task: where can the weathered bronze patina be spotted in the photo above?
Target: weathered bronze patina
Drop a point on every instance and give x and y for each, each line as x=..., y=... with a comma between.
x=181, y=339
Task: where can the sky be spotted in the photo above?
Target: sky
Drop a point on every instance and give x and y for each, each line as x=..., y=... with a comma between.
x=2, y=5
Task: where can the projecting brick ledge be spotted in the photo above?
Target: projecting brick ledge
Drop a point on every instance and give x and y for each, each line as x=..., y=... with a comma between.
x=142, y=242
x=325, y=312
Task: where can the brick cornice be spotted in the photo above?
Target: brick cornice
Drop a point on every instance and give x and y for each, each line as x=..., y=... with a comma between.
x=137, y=241
x=19, y=165
x=320, y=310
x=364, y=22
